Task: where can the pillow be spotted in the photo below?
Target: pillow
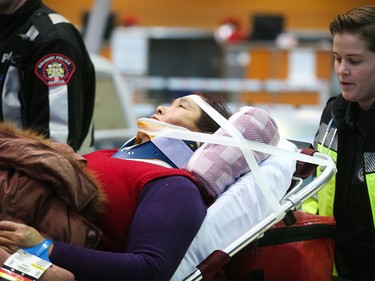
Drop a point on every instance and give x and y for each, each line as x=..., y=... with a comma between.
x=217, y=166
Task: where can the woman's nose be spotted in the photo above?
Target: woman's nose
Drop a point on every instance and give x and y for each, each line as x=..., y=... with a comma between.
x=343, y=68
x=160, y=110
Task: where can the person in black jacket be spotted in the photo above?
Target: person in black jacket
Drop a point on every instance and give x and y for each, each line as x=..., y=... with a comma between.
x=347, y=133
x=47, y=80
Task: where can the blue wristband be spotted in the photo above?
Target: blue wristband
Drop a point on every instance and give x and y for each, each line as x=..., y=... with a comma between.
x=40, y=250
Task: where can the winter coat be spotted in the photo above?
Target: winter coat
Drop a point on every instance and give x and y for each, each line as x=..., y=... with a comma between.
x=45, y=185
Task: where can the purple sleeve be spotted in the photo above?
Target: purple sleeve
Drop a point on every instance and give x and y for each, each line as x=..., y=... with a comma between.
x=168, y=216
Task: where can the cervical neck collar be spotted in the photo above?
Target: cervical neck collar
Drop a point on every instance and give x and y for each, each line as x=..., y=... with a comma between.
x=175, y=152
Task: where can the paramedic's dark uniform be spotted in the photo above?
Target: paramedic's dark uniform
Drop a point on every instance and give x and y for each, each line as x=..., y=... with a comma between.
x=350, y=195
x=47, y=81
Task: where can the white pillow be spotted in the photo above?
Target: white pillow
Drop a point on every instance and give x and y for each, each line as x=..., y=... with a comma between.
x=236, y=210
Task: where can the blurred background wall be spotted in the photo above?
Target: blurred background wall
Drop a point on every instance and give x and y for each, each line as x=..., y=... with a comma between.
x=300, y=14
x=174, y=49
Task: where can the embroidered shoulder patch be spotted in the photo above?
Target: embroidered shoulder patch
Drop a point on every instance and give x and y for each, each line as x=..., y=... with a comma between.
x=55, y=69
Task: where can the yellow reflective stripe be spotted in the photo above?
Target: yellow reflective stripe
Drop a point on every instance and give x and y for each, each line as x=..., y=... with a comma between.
x=326, y=195
x=310, y=206
x=370, y=180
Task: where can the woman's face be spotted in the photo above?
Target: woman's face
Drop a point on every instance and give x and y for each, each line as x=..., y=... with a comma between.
x=182, y=112
x=355, y=69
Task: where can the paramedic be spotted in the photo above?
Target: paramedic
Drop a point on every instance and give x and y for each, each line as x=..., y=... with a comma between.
x=156, y=230
x=47, y=80
x=347, y=133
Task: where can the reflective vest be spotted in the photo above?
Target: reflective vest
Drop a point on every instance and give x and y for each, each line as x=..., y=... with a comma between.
x=327, y=143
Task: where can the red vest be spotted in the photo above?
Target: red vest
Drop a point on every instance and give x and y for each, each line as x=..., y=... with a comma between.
x=122, y=182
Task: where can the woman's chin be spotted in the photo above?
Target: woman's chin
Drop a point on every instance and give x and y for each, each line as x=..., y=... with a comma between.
x=349, y=96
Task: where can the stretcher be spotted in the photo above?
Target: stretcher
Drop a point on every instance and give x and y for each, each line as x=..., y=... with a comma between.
x=253, y=203
x=242, y=214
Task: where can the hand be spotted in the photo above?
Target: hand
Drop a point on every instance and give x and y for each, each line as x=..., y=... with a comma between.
x=17, y=235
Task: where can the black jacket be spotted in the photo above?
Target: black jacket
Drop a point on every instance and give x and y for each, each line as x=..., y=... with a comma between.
x=355, y=148
x=47, y=80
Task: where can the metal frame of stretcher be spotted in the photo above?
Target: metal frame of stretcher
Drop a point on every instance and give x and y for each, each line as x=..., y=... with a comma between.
x=290, y=202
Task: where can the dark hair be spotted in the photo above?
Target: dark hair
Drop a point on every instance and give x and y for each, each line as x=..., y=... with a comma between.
x=358, y=21
x=205, y=123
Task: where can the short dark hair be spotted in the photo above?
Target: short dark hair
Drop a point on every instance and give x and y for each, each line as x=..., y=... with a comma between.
x=205, y=123
x=358, y=21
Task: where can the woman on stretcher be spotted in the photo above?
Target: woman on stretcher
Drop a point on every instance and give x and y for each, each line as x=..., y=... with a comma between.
x=153, y=209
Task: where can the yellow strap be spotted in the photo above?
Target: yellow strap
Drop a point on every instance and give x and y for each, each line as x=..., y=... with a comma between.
x=370, y=179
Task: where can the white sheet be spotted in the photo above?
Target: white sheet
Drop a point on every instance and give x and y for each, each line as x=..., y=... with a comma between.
x=239, y=208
